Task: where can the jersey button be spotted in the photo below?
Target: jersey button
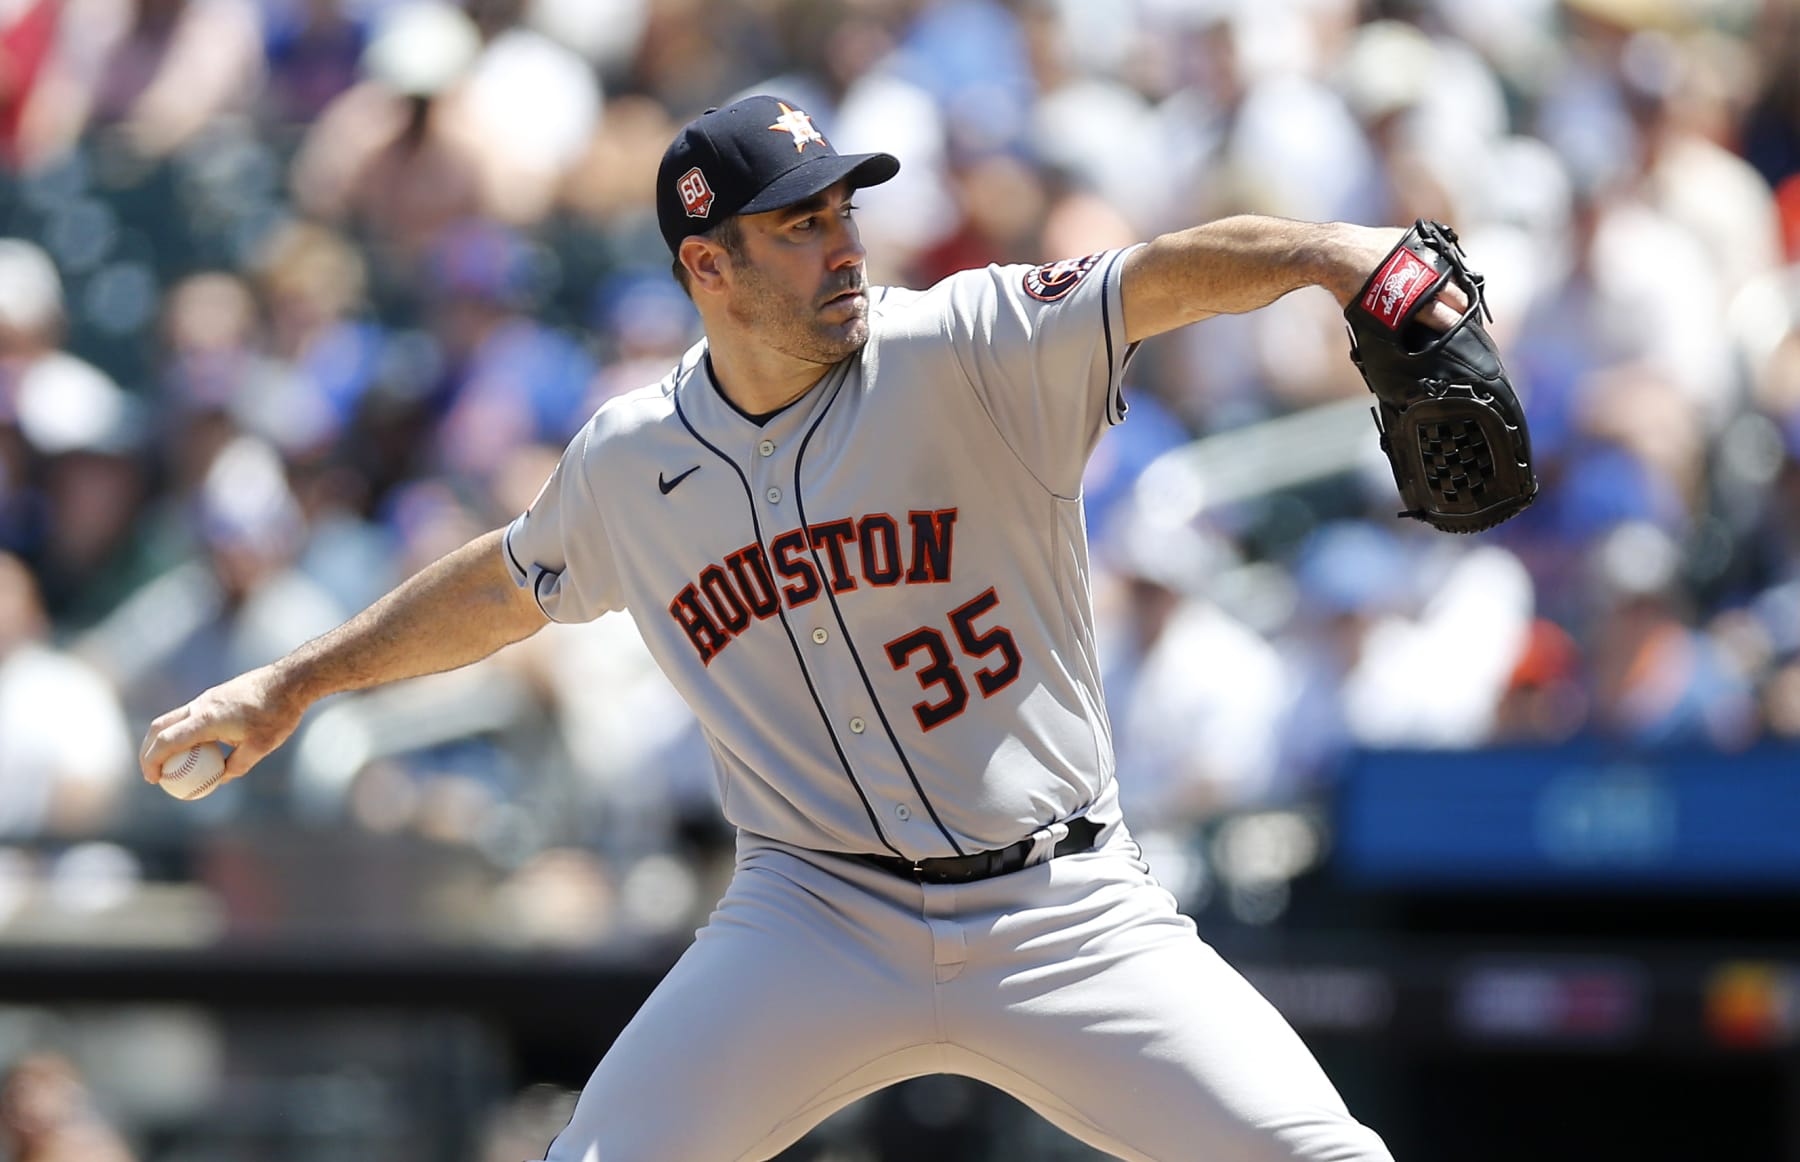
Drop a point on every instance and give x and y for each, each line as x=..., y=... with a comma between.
x=857, y=726
x=903, y=812
x=766, y=448
x=774, y=495
x=819, y=635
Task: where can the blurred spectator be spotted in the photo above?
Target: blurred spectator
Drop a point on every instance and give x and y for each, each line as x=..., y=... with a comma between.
x=242, y=605
x=1658, y=680
x=1688, y=93
x=1196, y=699
x=28, y=33
x=1431, y=137
x=1481, y=599
x=532, y=104
x=162, y=70
x=1347, y=575
x=1263, y=132
x=612, y=186
x=48, y=1114
x=97, y=492
x=1374, y=612
x=67, y=754
x=1096, y=130
x=71, y=477
x=508, y=379
x=312, y=285
x=213, y=375
x=393, y=157
x=326, y=360
x=1002, y=204
x=1545, y=699
x=604, y=32
x=645, y=323
x=970, y=58
x=692, y=52
x=313, y=48
x=1771, y=130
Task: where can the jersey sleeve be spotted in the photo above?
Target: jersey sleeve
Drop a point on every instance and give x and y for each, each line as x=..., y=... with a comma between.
x=1044, y=349
x=559, y=547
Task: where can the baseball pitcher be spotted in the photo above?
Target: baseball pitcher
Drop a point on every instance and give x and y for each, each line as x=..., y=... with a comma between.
x=849, y=525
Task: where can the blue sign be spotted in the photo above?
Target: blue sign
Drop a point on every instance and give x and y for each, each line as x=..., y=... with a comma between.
x=1577, y=815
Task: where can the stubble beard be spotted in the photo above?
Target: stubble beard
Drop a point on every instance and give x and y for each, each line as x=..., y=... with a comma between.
x=791, y=323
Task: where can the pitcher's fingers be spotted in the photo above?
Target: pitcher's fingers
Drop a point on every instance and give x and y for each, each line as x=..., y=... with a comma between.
x=1445, y=308
x=152, y=754
x=172, y=739
x=157, y=725
x=1439, y=315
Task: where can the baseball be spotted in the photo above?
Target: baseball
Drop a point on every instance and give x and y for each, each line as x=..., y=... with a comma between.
x=194, y=773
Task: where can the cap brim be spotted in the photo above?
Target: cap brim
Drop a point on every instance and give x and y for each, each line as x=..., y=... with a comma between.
x=861, y=170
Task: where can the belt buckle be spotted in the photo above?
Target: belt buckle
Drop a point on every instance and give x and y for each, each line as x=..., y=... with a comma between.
x=1044, y=841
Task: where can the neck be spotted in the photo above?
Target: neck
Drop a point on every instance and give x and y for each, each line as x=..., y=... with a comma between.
x=757, y=378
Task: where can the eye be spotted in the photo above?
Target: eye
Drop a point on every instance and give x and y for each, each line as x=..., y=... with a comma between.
x=849, y=208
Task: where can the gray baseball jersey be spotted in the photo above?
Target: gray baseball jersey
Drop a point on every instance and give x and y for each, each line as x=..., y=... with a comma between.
x=876, y=602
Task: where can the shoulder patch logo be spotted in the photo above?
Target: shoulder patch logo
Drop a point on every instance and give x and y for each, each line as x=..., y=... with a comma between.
x=1053, y=280
x=696, y=194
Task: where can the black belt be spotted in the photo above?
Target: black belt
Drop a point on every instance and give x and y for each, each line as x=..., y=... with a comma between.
x=962, y=869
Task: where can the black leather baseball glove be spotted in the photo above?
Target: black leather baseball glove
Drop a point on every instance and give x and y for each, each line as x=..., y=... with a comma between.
x=1450, y=423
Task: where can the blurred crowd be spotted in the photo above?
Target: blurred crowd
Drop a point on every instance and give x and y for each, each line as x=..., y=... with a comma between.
x=296, y=295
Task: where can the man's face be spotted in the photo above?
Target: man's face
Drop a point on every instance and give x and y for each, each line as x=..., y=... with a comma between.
x=800, y=283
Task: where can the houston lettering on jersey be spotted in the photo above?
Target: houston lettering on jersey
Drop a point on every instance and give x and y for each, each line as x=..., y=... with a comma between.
x=878, y=550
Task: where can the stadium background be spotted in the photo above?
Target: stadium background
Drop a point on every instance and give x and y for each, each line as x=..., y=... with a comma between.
x=297, y=294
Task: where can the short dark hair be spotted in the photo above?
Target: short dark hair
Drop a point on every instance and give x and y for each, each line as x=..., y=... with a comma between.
x=729, y=234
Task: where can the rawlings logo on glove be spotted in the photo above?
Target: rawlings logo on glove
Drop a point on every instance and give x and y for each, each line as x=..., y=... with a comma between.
x=1450, y=423
x=1396, y=286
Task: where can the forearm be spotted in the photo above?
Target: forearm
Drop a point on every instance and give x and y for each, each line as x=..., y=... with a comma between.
x=457, y=610
x=1238, y=264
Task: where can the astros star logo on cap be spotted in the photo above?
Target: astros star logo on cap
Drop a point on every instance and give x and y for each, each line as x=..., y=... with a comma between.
x=796, y=122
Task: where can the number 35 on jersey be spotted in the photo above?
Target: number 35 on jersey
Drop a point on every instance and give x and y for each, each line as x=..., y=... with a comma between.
x=878, y=550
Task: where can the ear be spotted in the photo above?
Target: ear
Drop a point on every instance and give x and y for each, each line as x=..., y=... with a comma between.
x=706, y=263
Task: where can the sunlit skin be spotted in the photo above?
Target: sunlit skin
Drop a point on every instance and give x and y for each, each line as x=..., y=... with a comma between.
x=795, y=304
x=1238, y=264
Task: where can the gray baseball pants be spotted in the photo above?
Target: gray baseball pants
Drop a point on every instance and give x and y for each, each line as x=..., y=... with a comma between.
x=1074, y=985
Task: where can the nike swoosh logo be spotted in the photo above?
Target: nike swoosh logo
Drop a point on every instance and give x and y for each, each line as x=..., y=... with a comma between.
x=668, y=486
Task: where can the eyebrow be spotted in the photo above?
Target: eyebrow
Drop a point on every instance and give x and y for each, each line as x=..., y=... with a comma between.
x=812, y=205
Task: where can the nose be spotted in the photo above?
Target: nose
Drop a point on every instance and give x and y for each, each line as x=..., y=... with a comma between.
x=846, y=246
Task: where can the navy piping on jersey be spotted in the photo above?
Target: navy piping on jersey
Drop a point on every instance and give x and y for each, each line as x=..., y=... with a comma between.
x=537, y=583
x=506, y=543
x=781, y=612
x=849, y=640
x=1115, y=388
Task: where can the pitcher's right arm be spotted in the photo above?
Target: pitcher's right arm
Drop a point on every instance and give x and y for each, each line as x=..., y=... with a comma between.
x=457, y=610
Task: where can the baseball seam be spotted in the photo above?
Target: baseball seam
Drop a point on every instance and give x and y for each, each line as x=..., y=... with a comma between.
x=187, y=768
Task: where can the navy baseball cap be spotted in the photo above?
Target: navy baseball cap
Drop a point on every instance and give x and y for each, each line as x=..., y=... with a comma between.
x=757, y=154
